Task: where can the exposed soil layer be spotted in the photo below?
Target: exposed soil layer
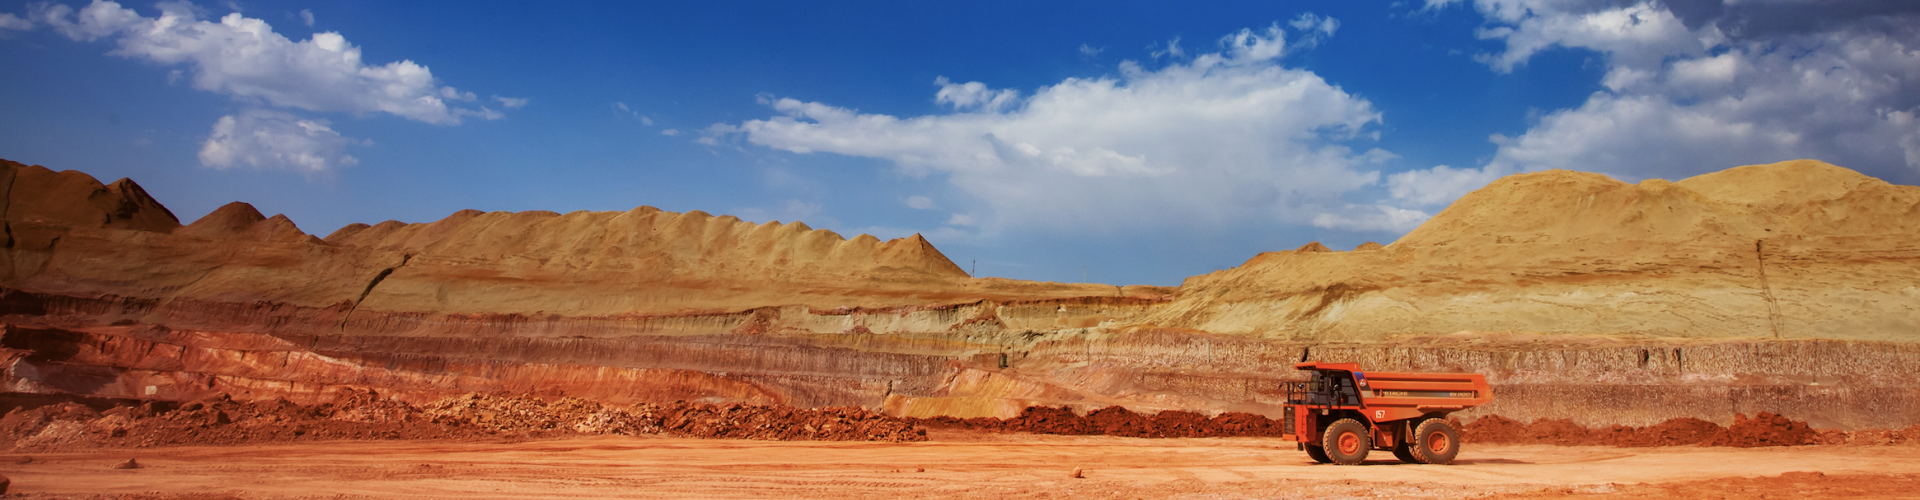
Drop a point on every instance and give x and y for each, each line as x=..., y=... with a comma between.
x=1116, y=421
x=367, y=416
x=1765, y=429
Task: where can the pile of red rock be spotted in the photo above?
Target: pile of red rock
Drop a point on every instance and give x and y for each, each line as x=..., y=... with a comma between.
x=1117, y=421
x=521, y=414
x=1765, y=429
x=366, y=415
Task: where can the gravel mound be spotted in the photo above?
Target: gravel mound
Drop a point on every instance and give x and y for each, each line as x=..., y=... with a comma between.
x=365, y=415
x=1765, y=429
x=1116, y=421
x=496, y=414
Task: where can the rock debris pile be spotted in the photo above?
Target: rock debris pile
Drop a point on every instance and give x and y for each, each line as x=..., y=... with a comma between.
x=507, y=415
x=1765, y=429
x=367, y=416
x=1117, y=421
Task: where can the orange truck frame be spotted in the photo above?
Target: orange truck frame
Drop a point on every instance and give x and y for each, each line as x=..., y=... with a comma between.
x=1343, y=412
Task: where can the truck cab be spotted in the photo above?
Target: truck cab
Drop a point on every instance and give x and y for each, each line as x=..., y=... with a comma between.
x=1342, y=412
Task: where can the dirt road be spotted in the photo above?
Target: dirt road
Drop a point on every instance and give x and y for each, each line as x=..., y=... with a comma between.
x=952, y=464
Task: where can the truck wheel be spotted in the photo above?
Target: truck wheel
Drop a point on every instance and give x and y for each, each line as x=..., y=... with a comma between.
x=1436, y=442
x=1403, y=449
x=1404, y=452
x=1346, y=442
x=1319, y=454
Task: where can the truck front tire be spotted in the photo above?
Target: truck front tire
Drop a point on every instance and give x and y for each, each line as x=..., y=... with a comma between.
x=1404, y=452
x=1347, y=442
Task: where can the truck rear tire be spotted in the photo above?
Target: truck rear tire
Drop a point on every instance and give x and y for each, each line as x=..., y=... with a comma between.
x=1319, y=454
x=1404, y=452
x=1436, y=442
x=1347, y=442
x=1403, y=449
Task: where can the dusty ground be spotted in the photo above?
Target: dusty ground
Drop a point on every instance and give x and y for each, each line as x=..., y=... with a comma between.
x=956, y=464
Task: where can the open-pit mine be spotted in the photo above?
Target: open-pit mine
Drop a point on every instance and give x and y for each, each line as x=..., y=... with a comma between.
x=1657, y=339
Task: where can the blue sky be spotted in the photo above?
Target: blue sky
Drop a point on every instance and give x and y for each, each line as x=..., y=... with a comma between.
x=1126, y=142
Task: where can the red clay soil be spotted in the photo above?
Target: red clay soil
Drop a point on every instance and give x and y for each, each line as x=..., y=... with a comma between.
x=1765, y=429
x=1787, y=485
x=1116, y=421
x=366, y=416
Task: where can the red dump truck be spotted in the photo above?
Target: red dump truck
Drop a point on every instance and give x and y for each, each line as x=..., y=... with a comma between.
x=1343, y=412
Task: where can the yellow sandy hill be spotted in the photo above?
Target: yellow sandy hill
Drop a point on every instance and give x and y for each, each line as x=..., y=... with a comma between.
x=240, y=221
x=33, y=193
x=1804, y=198
x=644, y=259
x=1793, y=249
x=114, y=240
x=693, y=245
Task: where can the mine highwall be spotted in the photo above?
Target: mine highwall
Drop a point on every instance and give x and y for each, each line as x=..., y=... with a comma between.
x=1832, y=384
x=960, y=360
x=1847, y=384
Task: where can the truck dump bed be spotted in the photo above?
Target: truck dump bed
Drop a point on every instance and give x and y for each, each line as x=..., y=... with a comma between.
x=1406, y=395
x=1387, y=396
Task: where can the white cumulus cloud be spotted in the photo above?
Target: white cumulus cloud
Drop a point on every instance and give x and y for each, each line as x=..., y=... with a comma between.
x=1383, y=218
x=1225, y=137
x=1315, y=26
x=1639, y=33
x=1694, y=87
x=1439, y=185
x=920, y=203
x=244, y=57
x=268, y=139
x=973, y=95
x=12, y=22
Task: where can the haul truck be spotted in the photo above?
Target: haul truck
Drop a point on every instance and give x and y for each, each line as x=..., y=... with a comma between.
x=1343, y=412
